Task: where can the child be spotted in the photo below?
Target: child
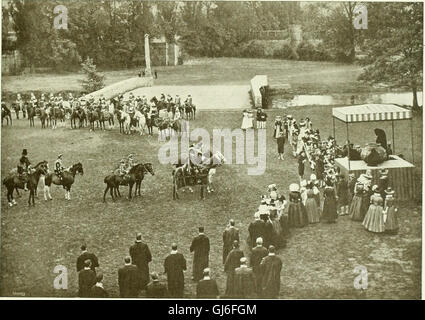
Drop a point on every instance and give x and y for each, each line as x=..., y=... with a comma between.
x=390, y=212
x=342, y=193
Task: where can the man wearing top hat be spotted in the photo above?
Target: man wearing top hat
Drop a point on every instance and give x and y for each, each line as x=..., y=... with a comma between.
x=23, y=166
x=59, y=167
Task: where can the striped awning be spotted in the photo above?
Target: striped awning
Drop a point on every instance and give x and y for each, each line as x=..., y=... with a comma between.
x=371, y=112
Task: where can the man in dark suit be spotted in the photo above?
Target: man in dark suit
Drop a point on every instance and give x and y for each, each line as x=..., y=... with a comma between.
x=155, y=288
x=230, y=234
x=201, y=248
x=141, y=256
x=271, y=267
x=232, y=262
x=244, y=281
x=97, y=291
x=258, y=253
x=207, y=288
x=85, y=255
x=256, y=229
x=86, y=280
x=174, y=267
x=128, y=280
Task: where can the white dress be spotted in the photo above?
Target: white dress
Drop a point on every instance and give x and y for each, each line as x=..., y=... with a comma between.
x=247, y=121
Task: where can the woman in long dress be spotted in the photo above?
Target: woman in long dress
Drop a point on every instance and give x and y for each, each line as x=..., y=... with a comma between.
x=297, y=216
x=374, y=219
x=329, y=213
x=246, y=120
x=355, y=211
x=391, y=222
x=311, y=207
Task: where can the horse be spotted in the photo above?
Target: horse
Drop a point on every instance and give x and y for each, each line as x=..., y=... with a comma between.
x=93, y=117
x=44, y=117
x=14, y=182
x=204, y=177
x=75, y=115
x=16, y=107
x=190, y=111
x=135, y=176
x=141, y=122
x=68, y=177
x=6, y=114
x=57, y=114
x=124, y=120
x=31, y=115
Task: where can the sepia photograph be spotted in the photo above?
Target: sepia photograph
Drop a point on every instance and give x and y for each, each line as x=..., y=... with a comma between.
x=211, y=150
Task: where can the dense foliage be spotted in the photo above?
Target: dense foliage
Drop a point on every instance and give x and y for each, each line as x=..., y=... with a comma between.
x=111, y=32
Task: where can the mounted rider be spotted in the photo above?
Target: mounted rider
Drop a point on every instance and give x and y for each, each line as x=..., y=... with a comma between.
x=123, y=169
x=59, y=167
x=23, y=167
x=130, y=161
x=194, y=159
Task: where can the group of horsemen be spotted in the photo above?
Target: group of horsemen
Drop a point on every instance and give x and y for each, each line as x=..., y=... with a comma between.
x=193, y=164
x=175, y=108
x=24, y=167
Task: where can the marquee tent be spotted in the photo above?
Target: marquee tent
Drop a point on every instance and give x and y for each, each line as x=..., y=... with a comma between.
x=372, y=113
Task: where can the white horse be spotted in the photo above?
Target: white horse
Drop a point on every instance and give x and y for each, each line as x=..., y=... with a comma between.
x=141, y=122
x=126, y=121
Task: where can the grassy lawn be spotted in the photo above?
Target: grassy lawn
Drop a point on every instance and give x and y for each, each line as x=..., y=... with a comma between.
x=318, y=261
x=303, y=76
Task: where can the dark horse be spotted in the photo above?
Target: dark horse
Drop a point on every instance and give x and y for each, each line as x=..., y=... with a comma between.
x=14, y=182
x=5, y=114
x=68, y=178
x=135, y=176
x=31, y=114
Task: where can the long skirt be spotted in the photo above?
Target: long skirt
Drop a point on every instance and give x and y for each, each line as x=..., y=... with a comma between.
x=317, y=199
x=374, y=219
x=365, y=203
x=278, y=236
x=329, y=213
x=284, y=224
x=355, y=210
x=297, y=216
x=391, y=225
x=312, y=209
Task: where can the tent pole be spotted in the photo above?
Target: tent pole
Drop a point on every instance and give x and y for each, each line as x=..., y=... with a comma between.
x=392, y=126
x=333, y=125
x=411, y=139
x=348, y=141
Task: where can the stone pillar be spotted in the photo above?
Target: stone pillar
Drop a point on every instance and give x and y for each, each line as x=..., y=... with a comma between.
x=176, y=54
x=147, y=56
x=166, y=54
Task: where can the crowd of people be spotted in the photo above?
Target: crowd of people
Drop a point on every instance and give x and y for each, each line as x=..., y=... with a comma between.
x=327, y=193
x=257, y=275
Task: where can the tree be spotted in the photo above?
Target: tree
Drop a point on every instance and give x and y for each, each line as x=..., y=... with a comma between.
x=336, y=28
x=94, y=80
x=394, y=46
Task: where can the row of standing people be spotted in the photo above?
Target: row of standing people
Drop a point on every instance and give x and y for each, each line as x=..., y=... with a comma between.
x=133, y=277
